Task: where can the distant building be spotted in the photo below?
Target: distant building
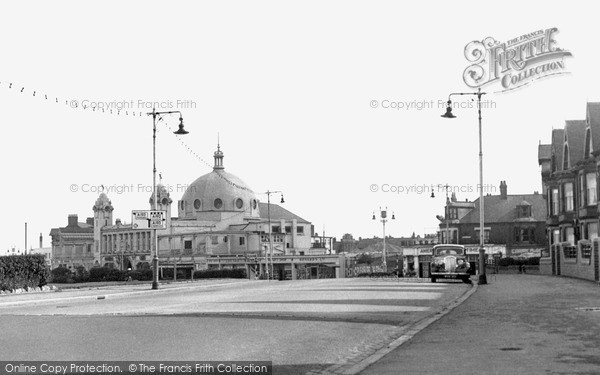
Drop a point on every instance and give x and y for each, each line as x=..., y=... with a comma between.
x=45, y=251
x=514, y=223
x=347, y=244
x=320, y=245
x=220, y=223
x=73, y=245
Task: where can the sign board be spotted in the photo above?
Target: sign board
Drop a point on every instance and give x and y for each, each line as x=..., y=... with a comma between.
x=148, y=219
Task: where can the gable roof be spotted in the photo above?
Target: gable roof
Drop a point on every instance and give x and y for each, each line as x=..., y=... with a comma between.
x=575, y=130
x=544, y=152
x=558, y=140
x=278, y=213
x=499, y=210
x=593, y=118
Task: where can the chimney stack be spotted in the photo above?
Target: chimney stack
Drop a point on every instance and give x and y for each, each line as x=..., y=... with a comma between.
x=72, y=221
x=503, y=190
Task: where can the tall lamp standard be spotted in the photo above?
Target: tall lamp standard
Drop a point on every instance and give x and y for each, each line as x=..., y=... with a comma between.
x=180, y=131
x=270, y=264
x=446, y=217
x=384, y=219
x=448, y=114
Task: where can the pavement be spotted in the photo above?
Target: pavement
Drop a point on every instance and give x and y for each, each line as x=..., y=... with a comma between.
x=515, y=324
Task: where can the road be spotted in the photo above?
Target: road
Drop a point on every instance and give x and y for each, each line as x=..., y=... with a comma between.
x=311, y=326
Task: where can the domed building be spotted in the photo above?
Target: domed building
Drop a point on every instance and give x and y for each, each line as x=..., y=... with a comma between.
x=220, y=223
x=218, y=194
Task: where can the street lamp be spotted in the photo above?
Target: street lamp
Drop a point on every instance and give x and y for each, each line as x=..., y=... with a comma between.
x=448, y=114
x=180, y=131
x=384, y=219
x=270, y=274
x=446, y=216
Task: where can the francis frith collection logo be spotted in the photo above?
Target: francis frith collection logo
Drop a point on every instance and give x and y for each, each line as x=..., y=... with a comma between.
x=514, y=63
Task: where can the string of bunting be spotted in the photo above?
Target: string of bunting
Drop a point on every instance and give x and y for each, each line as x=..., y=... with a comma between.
x=74, y=104
x=71, y=103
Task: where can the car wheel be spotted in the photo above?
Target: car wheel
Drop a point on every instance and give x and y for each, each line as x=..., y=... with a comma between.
x=433, y=279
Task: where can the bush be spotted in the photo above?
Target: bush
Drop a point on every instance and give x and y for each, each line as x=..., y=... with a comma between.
x=62, y=275
x=106, y=274
x=237, y=273
x=23, y=271
x=141, y=274
x=81, y=275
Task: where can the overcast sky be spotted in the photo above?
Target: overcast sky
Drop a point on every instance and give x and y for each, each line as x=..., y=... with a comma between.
x=290, y=89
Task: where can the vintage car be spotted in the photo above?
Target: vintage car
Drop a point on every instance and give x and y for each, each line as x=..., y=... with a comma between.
x=450, y=262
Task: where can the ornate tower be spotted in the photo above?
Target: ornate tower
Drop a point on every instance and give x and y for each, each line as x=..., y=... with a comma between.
x=103, y=210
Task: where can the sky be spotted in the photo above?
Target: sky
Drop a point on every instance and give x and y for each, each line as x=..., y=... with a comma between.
x=299, y=93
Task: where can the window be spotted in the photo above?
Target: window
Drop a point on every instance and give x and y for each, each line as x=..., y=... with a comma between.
x=554, y=202
x=214, y=240
x=568, y=197
x=197, y=204
x=218, y=203
x=525, y=234
x=288, y=229
x=89, y=248
x=555, y=236
x=254, y=204
x=486, y=234
x=592, y=231
x=524, y=211
x=300, y=230
x=276, y=229
x=239, y=203
x=590, y=179
x=242, y=241
x=581, y=196
x=187, y=244
x=453, y=213
x=569, y=235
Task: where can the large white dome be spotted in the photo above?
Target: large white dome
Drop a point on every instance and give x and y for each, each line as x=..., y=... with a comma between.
x=218, y=191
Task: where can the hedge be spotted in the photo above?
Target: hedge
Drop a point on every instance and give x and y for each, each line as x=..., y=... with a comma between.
x=23, y=271
x=62, y=275
x=237, y=273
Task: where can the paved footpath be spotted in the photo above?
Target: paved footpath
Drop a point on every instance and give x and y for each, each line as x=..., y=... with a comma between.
x=516, y=324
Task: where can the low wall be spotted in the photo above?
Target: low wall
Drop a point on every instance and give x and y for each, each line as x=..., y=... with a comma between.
x=579, y=261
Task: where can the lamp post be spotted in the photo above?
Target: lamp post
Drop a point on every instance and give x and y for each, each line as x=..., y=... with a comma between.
x=446, y=214
x=180, y=131
x=270, y=274
x=448, y=114
x=384, y=219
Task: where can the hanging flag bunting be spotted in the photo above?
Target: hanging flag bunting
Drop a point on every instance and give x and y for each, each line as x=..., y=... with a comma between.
x=74, y=104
